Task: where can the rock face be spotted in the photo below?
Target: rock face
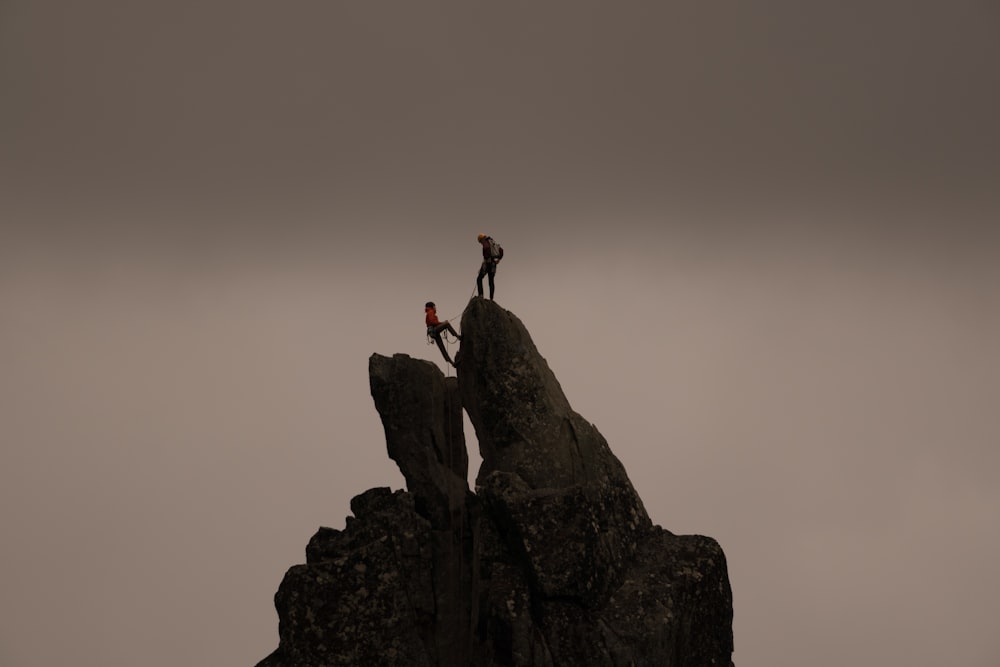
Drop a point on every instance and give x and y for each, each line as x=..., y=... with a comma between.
x=553, y=561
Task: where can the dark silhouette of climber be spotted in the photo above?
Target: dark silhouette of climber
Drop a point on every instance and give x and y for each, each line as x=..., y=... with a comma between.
x=492, y=254
x=435, y=328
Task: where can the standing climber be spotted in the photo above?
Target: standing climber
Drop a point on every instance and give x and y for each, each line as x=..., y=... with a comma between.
x=435, y=328
x=492, y=254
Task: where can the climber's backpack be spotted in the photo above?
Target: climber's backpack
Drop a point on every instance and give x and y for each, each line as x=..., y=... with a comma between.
x=496, y=250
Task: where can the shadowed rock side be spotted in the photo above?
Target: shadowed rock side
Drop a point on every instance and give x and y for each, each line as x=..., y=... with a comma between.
x=552, y=562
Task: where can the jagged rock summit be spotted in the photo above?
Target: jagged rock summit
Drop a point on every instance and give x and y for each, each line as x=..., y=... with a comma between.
x=553, y=561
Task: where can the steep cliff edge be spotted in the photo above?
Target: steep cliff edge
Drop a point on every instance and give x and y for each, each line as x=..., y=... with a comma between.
x=553, y=561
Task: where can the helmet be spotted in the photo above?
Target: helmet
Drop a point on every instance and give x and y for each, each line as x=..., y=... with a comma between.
x=429, y=304
x=481, y=237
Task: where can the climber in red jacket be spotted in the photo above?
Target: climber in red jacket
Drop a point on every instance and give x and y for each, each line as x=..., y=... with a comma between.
x=435, y=328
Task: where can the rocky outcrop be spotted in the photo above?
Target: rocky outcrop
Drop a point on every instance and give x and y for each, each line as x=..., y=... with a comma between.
x=548, y=477
x=552, y=561
x=421, y=412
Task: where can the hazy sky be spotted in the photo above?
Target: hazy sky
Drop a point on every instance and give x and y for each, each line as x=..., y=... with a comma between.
x=756, y=242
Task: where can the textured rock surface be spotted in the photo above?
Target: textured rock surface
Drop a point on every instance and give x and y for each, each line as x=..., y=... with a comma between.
x=547, y=473
x=421, y=412
x=553, y=561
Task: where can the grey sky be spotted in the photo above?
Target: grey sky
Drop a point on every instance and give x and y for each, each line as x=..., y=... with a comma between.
x=756, y=243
